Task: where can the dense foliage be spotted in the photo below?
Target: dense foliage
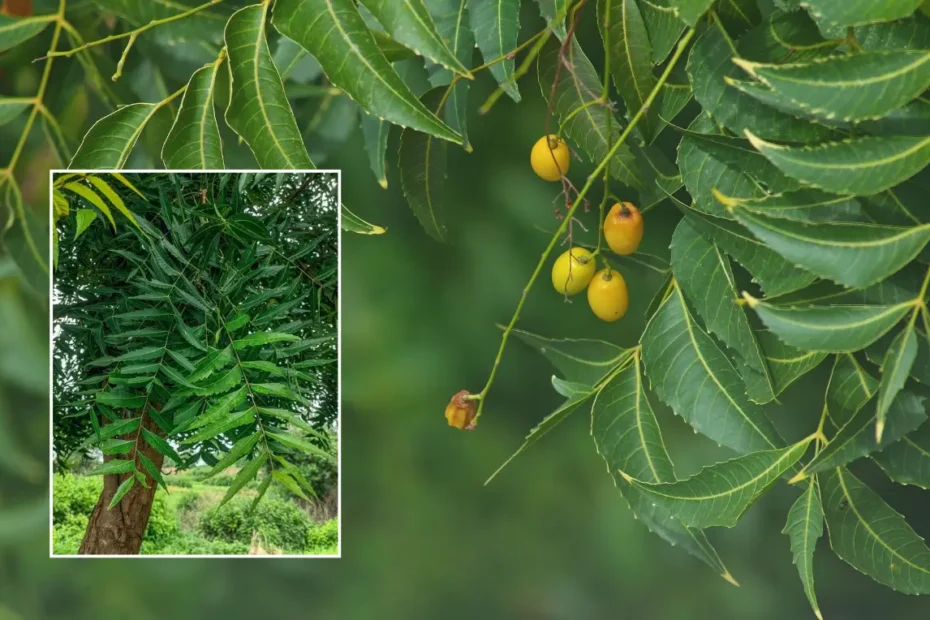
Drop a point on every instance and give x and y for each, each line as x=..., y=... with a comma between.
x=213, y=316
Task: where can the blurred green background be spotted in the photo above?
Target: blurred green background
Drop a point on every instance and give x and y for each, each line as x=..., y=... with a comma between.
x=423, y=538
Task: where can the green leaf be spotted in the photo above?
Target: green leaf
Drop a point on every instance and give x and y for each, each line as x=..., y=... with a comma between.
x=334, y=32
x=153, y=471
x=297, y=443
x=804, y=528
x=554, y=13
x=873, y=538
x=858, y=12
x=114, y=199
x=15, y=30
x=690, y=11
x=141, y=354
x=160, y=445
x=11, y=108
x=215, y=360
x=829, y=328
x=261, y=338
x=120, y=427
x=121, y=492
x=850, y=388
x=594, y=128
x=694, y=377
x=115, y=466
x=856, y=255
x=663, y=26
x=626, y=40
x=289, y=483
x=219, y=384
x=240, y=320
x=810, y=205
x=738, y=16
x=245, y=475
x=774, y=274
x=194, y=140
x=907, y=461
x=453, y=25
x=920, y=370
x=850, y=88
x=258, y=108
x=239, y=450
x=410, y=23
x=496, y=25
x=579, y=360
x=116, y=446
x=91, y=196
x=785, y=37
x=911, y=32
x=895, y=368
x=785, y=363
x=235, y=420
x=85, y=217
x=353, y=223
x=422, y=163
x=626, y=433
x=189, y=334
x=719, y=495
x=710, y=65
x=176, y=377
x=110, y=140
x=703, y=272
x=121, y=400
x=278, y=389
x=292, y=418
x=180, y=359
x=375, y=131
x=858, y=166
x=219, y=409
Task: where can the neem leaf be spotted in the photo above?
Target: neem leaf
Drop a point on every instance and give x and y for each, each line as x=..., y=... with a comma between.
x=422, y=163
x=194, y=140
x=115, y=466
x=258, y=108
x=121, y=491
x=859, y=166
x=334, y=32
x=719, y=495
x=107, y=144
x=858, y=12
x=804, y=528
x=895, y=368
x=907, y=461
x=873, y=538
x=496, y=25
x=245, y=475
x=580, y=360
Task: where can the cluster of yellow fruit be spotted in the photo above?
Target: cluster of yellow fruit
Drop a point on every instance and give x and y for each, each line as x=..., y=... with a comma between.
x=575, y=270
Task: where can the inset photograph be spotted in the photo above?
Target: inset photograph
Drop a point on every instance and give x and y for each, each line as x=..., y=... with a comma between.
x=195, y=373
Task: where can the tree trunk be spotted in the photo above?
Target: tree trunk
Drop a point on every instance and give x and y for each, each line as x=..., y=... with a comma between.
x=119, y=531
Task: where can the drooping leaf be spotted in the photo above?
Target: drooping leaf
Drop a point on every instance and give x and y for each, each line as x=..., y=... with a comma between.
x=907, y=461
x=810, y=205
x=245, y=475
x=120, y=427
x=719, y=495
x=453, y=25
x=580, y=360
x=693, y=376
x=298, y=443
x=690, y=11
x=703, y=272
x=335, y=34
x=194, y=140
x=262, y=338
x=116, y=446
x=278, y=389
x=873, y=538
x=422, y=163
x=258, y=108
x=222, y=382
x=411, y=24
x=234, y=420
x=218, y=410
x=93, y=198
x=496, y=25
x=627, y=435
x=240, y=449
x=854, y=254
x=121, y=492
x=215, y=360
x=895, y=368
x=152, y=470
x=785, y=363
x=627, y=41
x=829, y=328
x=663, y=26
x=860, y=166
x=161, y=445
x=804, y=527
x=108, y=143
x=121, y=400
x=375, y=131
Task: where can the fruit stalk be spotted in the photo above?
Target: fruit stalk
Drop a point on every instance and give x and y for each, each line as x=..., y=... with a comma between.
x=679, y=51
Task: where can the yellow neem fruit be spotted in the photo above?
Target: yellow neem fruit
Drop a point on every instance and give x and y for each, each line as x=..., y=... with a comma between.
x=623, y=228
x=572, y=271
x=550, y=158
x=608, y=296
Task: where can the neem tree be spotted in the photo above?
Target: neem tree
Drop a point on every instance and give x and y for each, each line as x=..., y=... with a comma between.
x=799, y=138
x=198, y=325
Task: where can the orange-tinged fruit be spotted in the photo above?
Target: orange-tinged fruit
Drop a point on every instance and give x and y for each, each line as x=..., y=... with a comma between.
x=607, y=295
x=572, y=271
x=460, y=412
x=550, y=158
x=623, y=228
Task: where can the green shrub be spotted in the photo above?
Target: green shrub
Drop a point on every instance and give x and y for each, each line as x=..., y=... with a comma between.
x=68, y=533
x=163, y=525
x=222, y=480
x=74, y=495
x=323, y=538
x=191, y=544
x=184, y=481
x=279, y=523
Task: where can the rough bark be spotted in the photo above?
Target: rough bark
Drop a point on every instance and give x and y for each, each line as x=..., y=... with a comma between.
x=119, y=531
